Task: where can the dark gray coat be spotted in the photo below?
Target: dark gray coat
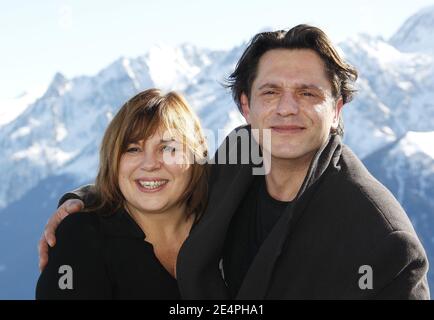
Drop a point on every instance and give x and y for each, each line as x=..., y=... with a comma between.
x=342, y=219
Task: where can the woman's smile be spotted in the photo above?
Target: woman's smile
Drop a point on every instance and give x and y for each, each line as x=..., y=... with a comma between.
x=151, y=185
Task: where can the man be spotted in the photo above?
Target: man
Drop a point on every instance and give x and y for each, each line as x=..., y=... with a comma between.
x=317, y=225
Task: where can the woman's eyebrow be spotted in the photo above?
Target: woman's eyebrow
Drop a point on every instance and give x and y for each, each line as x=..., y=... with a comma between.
x=133, y=142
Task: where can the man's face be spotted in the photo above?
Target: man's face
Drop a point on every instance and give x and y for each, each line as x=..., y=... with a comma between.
x=292, y=97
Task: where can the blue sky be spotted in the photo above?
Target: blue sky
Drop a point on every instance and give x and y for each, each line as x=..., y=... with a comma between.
x=75, y=37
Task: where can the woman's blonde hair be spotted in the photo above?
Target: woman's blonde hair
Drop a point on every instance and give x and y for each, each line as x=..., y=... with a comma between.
x=138, y=119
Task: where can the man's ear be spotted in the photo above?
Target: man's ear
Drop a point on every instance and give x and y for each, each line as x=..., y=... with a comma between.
x=245, y=107
x=338, y=111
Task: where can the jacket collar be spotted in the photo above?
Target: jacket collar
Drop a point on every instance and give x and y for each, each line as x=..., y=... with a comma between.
x=120, y=224
x=327, y=157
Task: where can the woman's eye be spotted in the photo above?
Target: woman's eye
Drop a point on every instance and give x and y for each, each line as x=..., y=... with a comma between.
x=133, y=149
x=168, y=149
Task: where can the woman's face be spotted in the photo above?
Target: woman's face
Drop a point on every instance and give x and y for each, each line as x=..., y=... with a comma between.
x=153, y=174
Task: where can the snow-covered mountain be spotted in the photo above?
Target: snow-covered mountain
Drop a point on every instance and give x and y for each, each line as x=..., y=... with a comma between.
x=416, y=34
x=51, y=145
x=396, y=93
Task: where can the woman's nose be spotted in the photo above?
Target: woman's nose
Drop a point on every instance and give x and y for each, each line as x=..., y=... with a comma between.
x=150, y=161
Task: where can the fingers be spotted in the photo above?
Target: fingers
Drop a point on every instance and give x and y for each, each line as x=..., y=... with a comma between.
x=43, y=253
x=70, y=206
x=74, y=205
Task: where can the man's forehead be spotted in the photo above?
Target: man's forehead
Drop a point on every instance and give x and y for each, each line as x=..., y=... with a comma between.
x=291, y=67
x=287, y=55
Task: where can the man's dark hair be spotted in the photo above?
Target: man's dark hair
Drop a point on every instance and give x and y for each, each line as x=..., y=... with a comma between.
x=340, y=74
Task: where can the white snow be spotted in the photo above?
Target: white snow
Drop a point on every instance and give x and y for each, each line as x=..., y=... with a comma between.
x=21, y=132
x=61, y=132
x=10, y=109
x=416, y=34
x=405, y=85
x=169, y=68
x=130, y=72
x=414, y=142
x=40, y=153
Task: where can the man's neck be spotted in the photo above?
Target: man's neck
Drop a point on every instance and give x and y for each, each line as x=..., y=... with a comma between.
x=286, y=177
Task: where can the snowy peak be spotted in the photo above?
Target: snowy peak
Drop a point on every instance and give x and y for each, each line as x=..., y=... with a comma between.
x=381, y=53
x=58, y=86
x=165, y=67
x=416, y=34
x=172, y=68
x=377, y=47
x=127, y=71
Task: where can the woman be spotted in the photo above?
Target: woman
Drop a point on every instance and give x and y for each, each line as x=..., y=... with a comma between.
x=150, y=189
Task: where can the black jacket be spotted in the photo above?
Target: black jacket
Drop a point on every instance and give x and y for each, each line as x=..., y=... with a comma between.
x=108, y=259
x=341, y=220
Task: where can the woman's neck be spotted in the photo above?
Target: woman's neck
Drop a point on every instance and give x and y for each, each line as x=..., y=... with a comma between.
x=166, y=231
x=166, y=226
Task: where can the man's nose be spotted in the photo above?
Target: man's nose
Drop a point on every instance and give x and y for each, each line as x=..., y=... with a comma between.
x=287, y=104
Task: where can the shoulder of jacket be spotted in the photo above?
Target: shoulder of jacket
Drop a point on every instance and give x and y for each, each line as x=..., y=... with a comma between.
x=80, y=225
x=369, y=197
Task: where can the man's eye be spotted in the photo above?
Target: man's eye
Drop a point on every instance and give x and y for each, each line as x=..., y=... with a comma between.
x=269, y=92
x=307, y=94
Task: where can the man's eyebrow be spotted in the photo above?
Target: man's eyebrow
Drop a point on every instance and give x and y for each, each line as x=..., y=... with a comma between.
x=309, y=86
x=167, y=140
x=269, y=85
